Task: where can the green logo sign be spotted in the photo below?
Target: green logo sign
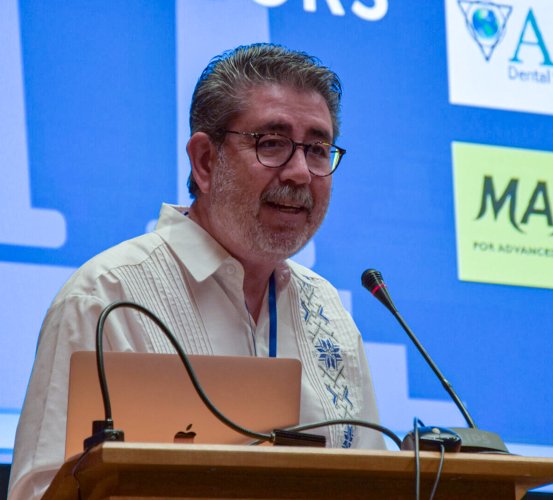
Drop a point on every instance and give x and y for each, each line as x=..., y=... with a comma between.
x=504, y=214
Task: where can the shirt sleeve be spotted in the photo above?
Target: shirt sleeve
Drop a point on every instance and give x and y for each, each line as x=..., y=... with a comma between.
x=39, y=449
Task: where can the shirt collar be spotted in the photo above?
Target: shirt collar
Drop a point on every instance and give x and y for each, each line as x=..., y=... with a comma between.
x=189, y=241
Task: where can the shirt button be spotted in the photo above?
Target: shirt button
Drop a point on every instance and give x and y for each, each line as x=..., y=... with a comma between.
x=231, y=270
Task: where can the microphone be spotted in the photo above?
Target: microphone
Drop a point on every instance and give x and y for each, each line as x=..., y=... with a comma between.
x=473, y=439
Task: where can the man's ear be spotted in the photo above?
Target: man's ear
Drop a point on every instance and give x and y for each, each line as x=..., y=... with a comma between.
x=203, y=155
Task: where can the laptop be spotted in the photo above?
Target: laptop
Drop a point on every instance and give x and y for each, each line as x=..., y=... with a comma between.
x=153, y=400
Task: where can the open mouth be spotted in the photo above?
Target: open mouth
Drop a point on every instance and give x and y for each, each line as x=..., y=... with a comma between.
x=286, y=208
x=288, y=200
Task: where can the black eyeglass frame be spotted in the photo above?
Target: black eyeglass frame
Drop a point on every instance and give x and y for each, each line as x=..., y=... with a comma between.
x=258, y=136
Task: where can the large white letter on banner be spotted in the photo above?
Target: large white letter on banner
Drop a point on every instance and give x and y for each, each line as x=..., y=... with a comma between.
x=270, y=3
x=336, y=8
x=374, y=13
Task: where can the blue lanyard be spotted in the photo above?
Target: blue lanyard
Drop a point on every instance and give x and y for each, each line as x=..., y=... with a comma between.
x=272, y=317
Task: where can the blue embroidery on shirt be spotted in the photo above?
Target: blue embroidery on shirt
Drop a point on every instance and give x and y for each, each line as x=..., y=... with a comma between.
x=306, y=311
x=321, y=314
x=348, y=436
x=345, y=396
x=329, y=353
x=320, y=332
x=334, y=394
x=337, y=397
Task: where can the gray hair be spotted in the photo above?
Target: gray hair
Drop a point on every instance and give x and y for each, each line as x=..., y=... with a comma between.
x=221, y=92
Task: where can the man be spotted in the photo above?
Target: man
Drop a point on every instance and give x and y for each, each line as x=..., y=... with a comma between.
x=263, y=120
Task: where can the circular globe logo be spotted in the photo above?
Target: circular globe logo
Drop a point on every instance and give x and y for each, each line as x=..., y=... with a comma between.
x=485, y=23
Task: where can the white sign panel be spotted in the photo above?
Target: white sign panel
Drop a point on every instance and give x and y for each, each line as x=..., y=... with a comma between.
x=500, y=54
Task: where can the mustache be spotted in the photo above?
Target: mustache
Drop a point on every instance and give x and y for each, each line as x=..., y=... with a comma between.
x=288, y=194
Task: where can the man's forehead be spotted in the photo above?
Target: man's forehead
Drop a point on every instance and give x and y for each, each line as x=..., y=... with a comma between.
x=277, y=107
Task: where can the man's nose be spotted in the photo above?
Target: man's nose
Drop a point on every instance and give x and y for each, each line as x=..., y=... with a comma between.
x=296, y=169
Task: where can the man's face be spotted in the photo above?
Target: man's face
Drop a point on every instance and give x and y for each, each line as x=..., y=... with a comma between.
x=270, y=212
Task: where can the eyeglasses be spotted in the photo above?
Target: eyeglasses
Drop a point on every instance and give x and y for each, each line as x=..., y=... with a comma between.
x=275, y=150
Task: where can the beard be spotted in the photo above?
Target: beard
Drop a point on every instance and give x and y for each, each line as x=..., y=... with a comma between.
x=236, y=212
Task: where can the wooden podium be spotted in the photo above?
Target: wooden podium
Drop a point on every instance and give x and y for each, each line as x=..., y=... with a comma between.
x=140, y=470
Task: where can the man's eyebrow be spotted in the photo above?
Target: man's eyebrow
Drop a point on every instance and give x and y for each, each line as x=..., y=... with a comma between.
x=320, y=134
x=275, y=127
x=284, y=128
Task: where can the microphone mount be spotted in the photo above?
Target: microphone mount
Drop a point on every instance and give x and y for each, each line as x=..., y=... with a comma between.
x=473, y=439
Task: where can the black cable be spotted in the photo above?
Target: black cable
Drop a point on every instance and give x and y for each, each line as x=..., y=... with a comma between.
x=416, y=423
x=260, y=437
x=360, y=423
x=102, y=376
x=439, y=473
x=75, y=469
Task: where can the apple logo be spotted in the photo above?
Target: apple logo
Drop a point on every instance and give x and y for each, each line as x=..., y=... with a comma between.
x=185, y=437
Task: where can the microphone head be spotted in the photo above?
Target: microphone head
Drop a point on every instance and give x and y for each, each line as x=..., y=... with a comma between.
x=372, y=280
